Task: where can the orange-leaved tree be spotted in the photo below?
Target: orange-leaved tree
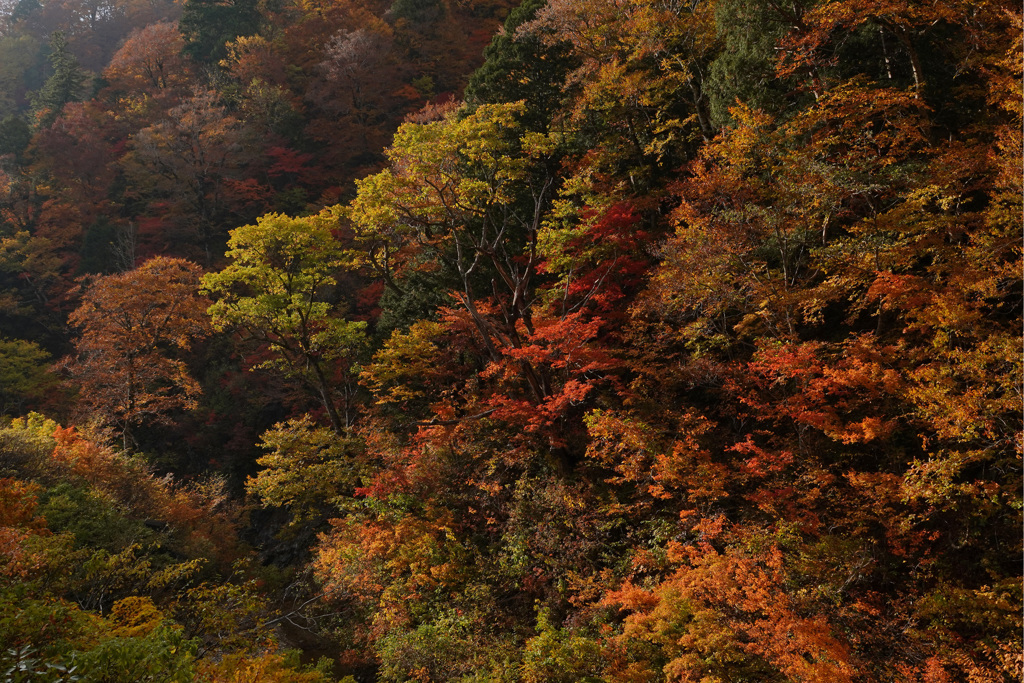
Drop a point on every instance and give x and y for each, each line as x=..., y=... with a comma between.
x=132, y=327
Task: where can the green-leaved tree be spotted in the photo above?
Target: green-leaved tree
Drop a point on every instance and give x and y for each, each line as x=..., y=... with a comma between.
x=67, y=84
x=280, y=289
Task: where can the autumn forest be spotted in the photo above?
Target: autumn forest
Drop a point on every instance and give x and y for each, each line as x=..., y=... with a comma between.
x=462, y=340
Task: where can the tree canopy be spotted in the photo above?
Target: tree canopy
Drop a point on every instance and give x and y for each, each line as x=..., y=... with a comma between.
x=580, y=340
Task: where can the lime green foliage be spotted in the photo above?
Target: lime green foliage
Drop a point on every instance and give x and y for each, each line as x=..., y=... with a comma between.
x=280, y=287
x=453, y=180
x=275, y=667
x=463, y=197
x=455, y=646
x=24, y=373
x=26, y=444
x=306, y=469
x=163, y=656
x=232, y=614
x=92, y=519
x=403, y=369
x=281, y=271
x=558, y=655
x=432, y=186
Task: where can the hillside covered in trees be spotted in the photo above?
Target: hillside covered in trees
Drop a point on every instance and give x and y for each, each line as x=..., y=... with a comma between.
x=463, y=340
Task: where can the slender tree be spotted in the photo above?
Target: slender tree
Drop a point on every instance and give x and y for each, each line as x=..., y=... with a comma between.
x=67, y=84
x=278, y=288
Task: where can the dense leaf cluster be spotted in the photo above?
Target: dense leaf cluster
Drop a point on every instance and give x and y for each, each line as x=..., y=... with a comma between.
x=685, y=348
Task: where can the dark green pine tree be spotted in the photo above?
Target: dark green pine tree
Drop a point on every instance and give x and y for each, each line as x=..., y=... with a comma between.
x=15, y=135
x=67, y=84
x=23, y=10
x=744, y=69
x=523, y=68
x=419, y=12
x=208, y=25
